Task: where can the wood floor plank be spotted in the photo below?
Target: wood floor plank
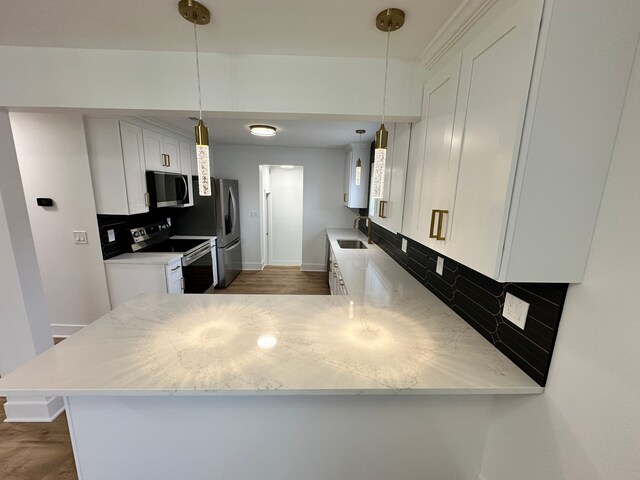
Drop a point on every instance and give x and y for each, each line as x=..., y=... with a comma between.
x=276, y=280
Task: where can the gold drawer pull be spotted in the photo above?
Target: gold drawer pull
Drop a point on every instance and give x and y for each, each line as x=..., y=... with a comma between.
x=382, y=213
x=433, y=223
x=441, y=213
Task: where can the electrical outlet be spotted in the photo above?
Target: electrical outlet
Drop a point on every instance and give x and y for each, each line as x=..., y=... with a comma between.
x=405, y=244
x=440, y=266
x=515, y=310
x=253, y=213
x=111, y=235
x=80, y=236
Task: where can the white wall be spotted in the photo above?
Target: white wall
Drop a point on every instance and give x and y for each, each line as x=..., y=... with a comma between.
x=586, y=425
x=52, y=154
x=155, y=81
x=323, y=171
x=24, y=325
x=286, y=215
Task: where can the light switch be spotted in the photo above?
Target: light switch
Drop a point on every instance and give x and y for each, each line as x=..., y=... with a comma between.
x=440, y=265
x=80, y=236
x=515, y=310
x=404, y=245
x=111, y=235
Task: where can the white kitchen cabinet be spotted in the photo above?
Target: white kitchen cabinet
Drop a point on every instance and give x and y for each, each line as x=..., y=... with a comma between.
x=494, y=85
x=127, y=279
x=161, y=152
x=336, y=282
x=116, y=159
x=355, y=194
x=432, y=171
x=388, y=211
x=532, y=140
x=187, y=150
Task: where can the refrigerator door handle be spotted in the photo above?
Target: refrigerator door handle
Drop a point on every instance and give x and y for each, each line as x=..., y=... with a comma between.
x=232, y=246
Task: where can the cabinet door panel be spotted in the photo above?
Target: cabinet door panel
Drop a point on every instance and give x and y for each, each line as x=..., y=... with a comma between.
x=153, y=150
x=439, y=170
x=494, y=84
x=171, y=147
x=133, y=159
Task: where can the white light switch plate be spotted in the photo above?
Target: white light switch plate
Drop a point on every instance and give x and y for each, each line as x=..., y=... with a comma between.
x=80, y=236
x=440, y=266
x=404, y=245
x=515, y=310
x=111, y=235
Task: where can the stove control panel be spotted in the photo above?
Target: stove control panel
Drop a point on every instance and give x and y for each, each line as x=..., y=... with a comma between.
x=140, y=234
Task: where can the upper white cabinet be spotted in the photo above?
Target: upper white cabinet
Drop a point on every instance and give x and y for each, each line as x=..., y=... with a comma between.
x=116, y=158
x=432, y=170
x=387, y=211
x=355, y=189
x=513, y=189
x=494, y=85
x=162, y=152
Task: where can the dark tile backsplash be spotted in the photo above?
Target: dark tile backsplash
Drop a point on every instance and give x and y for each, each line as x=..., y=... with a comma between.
x=122, y=224
x=479, y=299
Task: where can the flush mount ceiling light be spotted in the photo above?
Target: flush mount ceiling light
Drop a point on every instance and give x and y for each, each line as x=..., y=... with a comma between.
x=388, y=20
x=359, y=162
x=262, y=130
x=198, y=14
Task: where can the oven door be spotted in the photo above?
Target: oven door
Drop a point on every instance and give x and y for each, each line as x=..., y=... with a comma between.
x=197, y=270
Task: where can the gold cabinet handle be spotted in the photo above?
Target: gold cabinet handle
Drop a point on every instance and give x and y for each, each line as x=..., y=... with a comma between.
x=433, y=223
x=441, y=213
x=147, y=199
x=344, y=198
x=382, y=212
x=168, y=160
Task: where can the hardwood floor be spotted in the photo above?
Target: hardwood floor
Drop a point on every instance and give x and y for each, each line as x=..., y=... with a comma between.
x=36, y=451
x=278, y=281
x=42, y=451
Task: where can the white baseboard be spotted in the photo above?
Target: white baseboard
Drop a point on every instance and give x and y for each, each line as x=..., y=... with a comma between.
x=63, y=331
x=284, y=263
x=33, y=409
x=313, y=267
x=252, y=266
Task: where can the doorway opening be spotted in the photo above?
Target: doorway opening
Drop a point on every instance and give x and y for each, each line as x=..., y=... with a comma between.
x=281, y=199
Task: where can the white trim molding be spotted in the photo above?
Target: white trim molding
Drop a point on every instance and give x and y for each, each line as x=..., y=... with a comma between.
x=33, y=409
x=458, y=24
x=313, y=267
x=252, y=266
x=61, y=330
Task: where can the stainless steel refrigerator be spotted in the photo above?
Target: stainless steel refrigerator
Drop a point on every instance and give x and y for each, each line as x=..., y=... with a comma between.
x=219, y=215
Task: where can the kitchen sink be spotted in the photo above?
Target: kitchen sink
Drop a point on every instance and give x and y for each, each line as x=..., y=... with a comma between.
x=351, y=244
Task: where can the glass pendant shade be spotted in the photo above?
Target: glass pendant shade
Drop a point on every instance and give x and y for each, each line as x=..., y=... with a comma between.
x=202, y=156
x=379, y=159
x=358, y=172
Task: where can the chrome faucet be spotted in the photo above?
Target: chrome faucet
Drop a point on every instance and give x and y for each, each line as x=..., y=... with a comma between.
x=363, y=217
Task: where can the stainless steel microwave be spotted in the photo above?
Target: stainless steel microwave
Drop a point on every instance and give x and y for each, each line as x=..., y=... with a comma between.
x=167, y=189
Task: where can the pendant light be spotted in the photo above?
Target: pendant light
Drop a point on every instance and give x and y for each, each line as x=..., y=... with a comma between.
x=388, y=20
x=359, y=162
x=198, y=14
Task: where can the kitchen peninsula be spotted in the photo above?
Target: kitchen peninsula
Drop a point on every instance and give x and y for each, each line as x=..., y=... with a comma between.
x=384, y=380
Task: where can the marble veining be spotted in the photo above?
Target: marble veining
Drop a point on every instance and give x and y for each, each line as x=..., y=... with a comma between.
x=383, y=338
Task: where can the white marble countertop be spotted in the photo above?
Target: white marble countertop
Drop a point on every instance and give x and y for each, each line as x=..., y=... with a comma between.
x=154, y=258
x=389, y=336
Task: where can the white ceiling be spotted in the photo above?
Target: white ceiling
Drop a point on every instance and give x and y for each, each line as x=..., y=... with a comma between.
x=290, y=133
x=342, y=28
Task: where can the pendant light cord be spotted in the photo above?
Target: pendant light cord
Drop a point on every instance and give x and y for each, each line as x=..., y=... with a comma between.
x=195, y=34
x=386, y=71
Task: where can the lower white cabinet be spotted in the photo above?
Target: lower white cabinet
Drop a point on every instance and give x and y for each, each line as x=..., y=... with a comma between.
x=336, y=282
x=127, y=279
